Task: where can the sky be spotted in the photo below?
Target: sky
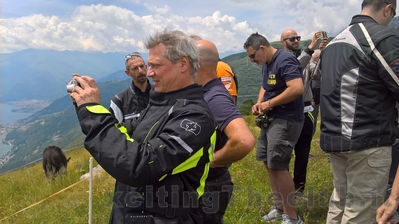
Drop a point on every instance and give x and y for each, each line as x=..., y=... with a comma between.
x=124, y=25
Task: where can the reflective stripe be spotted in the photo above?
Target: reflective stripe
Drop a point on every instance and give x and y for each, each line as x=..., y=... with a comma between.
x=189, y=163
x=378, y=54
x=117, y=111
x=145, y=139
x=311, y=116
x=348, y=93
x=193, y=161
x=182, y=143
x=98, y=109
x=163, y=177
x=124, y=131
x=170, y=110
x=211, y=149
x=130, y=116
x=201, y=188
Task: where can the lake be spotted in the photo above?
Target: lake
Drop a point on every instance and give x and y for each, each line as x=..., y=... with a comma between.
x=8, y=116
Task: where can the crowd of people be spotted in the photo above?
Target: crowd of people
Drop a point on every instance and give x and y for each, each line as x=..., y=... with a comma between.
x=169, y=143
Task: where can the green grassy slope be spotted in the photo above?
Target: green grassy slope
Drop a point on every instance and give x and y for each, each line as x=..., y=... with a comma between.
x=251, y=198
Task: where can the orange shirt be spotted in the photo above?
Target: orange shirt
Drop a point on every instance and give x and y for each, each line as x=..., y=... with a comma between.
x=226, y=75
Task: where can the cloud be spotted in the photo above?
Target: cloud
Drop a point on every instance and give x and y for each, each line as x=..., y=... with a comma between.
x=112, y=29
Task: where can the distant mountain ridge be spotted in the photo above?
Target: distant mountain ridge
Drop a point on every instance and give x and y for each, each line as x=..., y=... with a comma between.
x=33, y=74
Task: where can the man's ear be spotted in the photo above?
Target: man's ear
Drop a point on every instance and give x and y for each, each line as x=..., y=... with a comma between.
x=184, y=63
x=127, y=73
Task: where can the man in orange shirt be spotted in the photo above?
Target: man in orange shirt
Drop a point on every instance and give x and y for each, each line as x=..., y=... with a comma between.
x=226, y=75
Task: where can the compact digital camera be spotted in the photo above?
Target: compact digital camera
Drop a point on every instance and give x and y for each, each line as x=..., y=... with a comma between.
x=71, y=85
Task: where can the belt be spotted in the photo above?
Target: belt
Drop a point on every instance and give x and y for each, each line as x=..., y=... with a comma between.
x=308, y=103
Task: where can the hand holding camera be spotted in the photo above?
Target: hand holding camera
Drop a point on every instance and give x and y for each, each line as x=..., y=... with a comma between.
x=83, y=89
x=71, y=85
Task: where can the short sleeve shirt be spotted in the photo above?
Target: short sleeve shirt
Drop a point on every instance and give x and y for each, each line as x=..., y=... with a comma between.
x=226, y=75
x=223, y=110
x=282, y=68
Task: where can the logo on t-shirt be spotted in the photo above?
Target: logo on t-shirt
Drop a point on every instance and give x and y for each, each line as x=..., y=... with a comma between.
x=191, y=126
x=272, y=79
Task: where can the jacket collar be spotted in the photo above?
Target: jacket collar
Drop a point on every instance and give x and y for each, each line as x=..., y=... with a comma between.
x=137, y=90
x=362, y=19
x=190, y=92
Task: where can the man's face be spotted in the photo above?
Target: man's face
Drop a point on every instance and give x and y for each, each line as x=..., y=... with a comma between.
x=163, y=72
x=256, y=56
x=137, y=69
x=290, y=41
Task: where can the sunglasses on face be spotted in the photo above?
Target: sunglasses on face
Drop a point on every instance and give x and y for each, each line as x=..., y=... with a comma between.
x=292, y=39
x=253, y=54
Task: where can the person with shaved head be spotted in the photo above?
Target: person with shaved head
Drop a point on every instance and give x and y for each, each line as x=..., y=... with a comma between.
x=290, y=41
x=234, y=139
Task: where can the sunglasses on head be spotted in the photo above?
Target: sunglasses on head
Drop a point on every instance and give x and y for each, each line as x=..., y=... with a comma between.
x=129, y=56
x=292, y=39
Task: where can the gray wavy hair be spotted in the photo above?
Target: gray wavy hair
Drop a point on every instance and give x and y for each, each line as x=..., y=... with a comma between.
x=177, y=45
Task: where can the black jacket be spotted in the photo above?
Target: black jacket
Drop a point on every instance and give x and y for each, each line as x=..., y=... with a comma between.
x=128, y=103
x=165, y=161
x=357, y=93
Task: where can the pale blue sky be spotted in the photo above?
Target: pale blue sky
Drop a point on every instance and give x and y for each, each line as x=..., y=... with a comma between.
x=123, y=25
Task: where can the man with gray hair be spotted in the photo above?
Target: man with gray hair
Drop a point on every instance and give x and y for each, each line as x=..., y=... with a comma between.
x=359, y=89
x=165, y=160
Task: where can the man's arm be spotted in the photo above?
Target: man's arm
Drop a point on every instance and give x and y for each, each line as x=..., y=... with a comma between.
x=240, y=142
x=386, y=211
x=139, y=163
x=306, y=54
x=294, y=90
x=389, y=49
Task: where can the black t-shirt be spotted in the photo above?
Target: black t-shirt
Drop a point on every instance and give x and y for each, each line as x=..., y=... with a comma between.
x=283, y=68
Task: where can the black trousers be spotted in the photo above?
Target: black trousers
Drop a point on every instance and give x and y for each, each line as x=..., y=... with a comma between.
x=302, y=149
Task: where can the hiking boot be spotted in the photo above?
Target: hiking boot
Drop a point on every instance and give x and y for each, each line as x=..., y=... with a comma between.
x=274, y=215
x=288, y=220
